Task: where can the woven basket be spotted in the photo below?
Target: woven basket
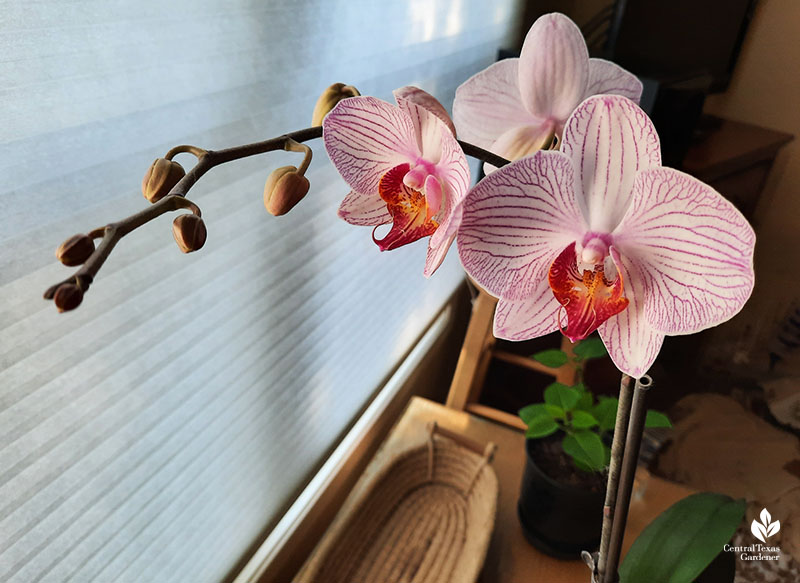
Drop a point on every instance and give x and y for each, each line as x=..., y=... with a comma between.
x=427, y=518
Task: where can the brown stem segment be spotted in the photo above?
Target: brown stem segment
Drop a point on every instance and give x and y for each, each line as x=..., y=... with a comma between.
x=633, y=441
x=175, y=199
x=617, y=449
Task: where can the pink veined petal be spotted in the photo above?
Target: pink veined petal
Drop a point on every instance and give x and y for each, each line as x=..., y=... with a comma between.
x=609, y=140
x=488, y=104
x=522, y=141
x=632, y=343
x=525, y=319
x=365, y=138
x=453, y=173
x=428, y=129
x=609, y=78
x=693, y=249
x=553, y=67
x=516, y=222
x=426, y=100
x=364, y=209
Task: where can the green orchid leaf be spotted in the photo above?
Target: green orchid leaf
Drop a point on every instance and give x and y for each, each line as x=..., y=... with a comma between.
x=681, y=542
x=656, y=419
x=560, y=395
x=541, y=426
x=531, y=411
x=553, y=358
x=585, y=447
x=606, y=413
x=583, y=420
x=590, y=348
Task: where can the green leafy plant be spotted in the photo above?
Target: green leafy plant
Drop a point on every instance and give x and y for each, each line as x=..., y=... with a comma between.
x=585, y=420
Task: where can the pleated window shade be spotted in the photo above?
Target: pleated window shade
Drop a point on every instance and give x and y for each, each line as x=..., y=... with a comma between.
x=156, y=433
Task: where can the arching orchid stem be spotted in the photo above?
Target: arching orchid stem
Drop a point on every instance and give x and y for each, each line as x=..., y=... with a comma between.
x=630, y=458
x=194, y=150
x=617, y=450
x=176, y=198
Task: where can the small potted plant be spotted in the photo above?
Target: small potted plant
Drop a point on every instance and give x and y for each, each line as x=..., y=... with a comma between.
x=567, y=452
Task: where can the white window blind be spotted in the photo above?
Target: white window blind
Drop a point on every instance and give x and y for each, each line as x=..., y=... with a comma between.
x=156, y=433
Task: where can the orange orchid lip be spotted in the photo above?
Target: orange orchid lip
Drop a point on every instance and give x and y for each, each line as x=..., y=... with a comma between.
x=408, y=207
x=589, y=298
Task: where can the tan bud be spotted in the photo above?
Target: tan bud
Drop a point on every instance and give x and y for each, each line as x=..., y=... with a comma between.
x=189, y=232
x=75, y=250
x=68, y=296
x=162, y=175
x=284, y=189
x=328, y=100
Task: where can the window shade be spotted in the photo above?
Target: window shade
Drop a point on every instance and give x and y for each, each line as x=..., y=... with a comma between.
x=157, y=431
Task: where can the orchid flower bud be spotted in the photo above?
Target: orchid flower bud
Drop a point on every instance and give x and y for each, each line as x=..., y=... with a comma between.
x=328, y=100
x=190, y=232
x=75, y=250
x=285, y=188
x=162, y=175
x=68, y=296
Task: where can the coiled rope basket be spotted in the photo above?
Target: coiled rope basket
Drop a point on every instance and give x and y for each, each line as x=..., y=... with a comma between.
x=427, y=518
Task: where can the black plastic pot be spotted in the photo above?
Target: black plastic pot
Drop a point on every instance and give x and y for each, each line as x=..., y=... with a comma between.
x=560, y=520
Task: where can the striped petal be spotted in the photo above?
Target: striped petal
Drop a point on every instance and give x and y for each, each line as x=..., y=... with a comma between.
x=553, y=67
x=609, y=140
x=516, y=221
x=454, y=177
x=632, y=343
x=428, y=129
x=425, y=100
x=364, y=209
x=488, y=104
x=606, y=77
x=694, y=251
x=522, y=141
x=530, y=318
x=365, y=138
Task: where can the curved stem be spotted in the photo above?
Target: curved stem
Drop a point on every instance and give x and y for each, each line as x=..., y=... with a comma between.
x=175, y=199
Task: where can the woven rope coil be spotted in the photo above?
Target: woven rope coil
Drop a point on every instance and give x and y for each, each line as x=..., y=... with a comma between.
x=427, y=518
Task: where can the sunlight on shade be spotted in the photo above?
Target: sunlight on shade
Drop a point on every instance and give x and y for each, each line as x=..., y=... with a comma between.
x=422, y=21
x=455, y=20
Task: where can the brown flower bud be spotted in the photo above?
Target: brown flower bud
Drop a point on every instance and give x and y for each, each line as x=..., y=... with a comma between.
x=328, y=100
x=75, y=250
x=189, y=232
x=285, y=188
x=159, y=179
x=68, y=296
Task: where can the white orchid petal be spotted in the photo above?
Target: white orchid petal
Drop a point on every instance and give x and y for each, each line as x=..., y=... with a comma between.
x=693, y=249
x=529, y=318
x=365, y=138
x=364, y=209
x=516, y=221
x=488, y=104
x=553, y=67
x=609, y=140
x=426, y=100
x=606, y=77
x=521, y=141
x=428, y=128
x=632, y=343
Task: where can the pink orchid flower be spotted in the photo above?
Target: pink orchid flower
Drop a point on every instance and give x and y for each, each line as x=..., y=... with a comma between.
x=601, y=236
x=516, y=106
x=404, y=166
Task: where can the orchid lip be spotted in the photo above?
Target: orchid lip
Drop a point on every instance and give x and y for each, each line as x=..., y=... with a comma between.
x=412, y=218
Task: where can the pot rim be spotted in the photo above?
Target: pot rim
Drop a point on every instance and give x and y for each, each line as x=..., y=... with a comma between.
x=570, y=488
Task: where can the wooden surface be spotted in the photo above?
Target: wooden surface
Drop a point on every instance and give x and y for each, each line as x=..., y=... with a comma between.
x=510, y=558
x=732, y=147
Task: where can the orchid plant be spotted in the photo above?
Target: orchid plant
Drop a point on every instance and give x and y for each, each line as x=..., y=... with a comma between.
x=584, y=231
